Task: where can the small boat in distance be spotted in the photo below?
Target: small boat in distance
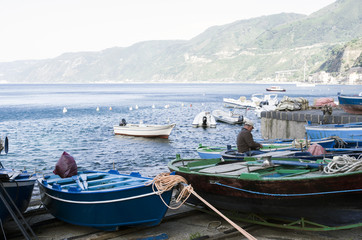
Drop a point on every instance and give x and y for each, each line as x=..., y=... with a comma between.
x=204, y=119
x=104, y=200
x=228, y=117
x=351, y=103
x=143, y=130
x=275, y=89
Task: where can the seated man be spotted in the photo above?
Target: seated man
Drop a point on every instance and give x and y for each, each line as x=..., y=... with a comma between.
x=245, y=141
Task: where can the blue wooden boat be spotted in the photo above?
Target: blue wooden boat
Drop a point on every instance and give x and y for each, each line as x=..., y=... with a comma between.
x=351, y=104
x=16, y=187
x=207, y=152
x=350, y=133
x=103, y=200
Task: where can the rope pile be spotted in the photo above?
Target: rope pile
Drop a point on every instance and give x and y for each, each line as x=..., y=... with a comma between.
x=165, y=182
x=344, y=163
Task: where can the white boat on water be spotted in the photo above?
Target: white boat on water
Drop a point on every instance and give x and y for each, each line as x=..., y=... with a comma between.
x=256, y=100
x=228, y=117
x=275, y=89
x=143, y=130
x=204, y=119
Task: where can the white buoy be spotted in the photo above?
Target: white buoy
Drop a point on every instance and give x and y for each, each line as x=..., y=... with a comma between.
x=167, y=106
x=97, y=109
x=65, y=110
x=182, y=104
x=136, y=107
x=110, y=108
x=130, y=108
x=153, y=105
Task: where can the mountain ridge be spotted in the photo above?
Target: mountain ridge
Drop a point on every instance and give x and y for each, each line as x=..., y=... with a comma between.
x=244, y=50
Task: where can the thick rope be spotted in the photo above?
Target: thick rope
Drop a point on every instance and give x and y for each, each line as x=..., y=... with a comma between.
x=165, y=182
x=344, y=163
x=339, y=142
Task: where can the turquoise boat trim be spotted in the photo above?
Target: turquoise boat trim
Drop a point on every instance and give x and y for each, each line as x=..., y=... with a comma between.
x=288, y=195
x=105, y=201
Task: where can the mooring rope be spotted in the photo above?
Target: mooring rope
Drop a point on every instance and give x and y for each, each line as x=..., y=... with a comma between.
x=344, y=163
x=339, y=142
x=165, y=182
x=288, y=194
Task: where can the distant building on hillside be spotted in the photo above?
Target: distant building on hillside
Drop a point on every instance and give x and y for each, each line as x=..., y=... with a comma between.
x=354, y=75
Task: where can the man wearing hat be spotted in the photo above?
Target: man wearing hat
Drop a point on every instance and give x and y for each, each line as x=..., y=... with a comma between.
x=245, y=141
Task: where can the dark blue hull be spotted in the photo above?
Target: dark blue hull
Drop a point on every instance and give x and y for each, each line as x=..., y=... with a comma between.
x=351, y=104
x=106, y=209
x=20, y=193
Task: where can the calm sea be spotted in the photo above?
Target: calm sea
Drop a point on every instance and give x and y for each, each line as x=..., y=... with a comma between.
x=38, y=130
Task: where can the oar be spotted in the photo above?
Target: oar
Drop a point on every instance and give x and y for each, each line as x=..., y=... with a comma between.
x=6, y=145
x=76, y=179
x=83, y=177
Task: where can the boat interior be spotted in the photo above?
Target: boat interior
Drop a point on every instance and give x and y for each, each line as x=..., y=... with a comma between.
x=253, y=169
x=94, y=181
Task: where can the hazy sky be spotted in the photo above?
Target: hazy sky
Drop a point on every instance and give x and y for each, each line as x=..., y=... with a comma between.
x=39, y=29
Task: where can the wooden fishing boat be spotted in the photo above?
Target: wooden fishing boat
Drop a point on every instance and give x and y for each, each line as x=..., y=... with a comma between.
x=204, y=119
x=16, y=188
x=144, y=130
x=103, y=200
x=285, y=189
x=268, y=145
x=350, y=133
x=351, y=103
x=228, y=117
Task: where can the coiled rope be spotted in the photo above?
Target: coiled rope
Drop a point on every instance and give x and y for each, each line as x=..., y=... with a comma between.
x=165, y=182
x=344, y=163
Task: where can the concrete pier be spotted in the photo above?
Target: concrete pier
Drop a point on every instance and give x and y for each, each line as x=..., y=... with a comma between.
x=291, y=125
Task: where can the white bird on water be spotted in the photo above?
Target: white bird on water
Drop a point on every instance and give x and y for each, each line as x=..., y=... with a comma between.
x=65, y=110
x=136, y=107
x=97, y=109
x=130, y=108
x=167, y=106
x=153, y=105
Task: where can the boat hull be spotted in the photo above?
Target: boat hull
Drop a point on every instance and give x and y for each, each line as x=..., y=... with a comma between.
x=329, y=200
x=106, y=209
x=351, y=104
x=229, y=117
x=350, y=133
x=20, y=193
x=204, y=119
x=151, y=131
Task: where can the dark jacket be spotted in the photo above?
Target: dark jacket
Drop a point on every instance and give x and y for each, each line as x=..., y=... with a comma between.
x=245, y=141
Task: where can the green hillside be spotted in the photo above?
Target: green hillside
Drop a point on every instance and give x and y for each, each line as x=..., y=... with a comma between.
x=245, y=50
